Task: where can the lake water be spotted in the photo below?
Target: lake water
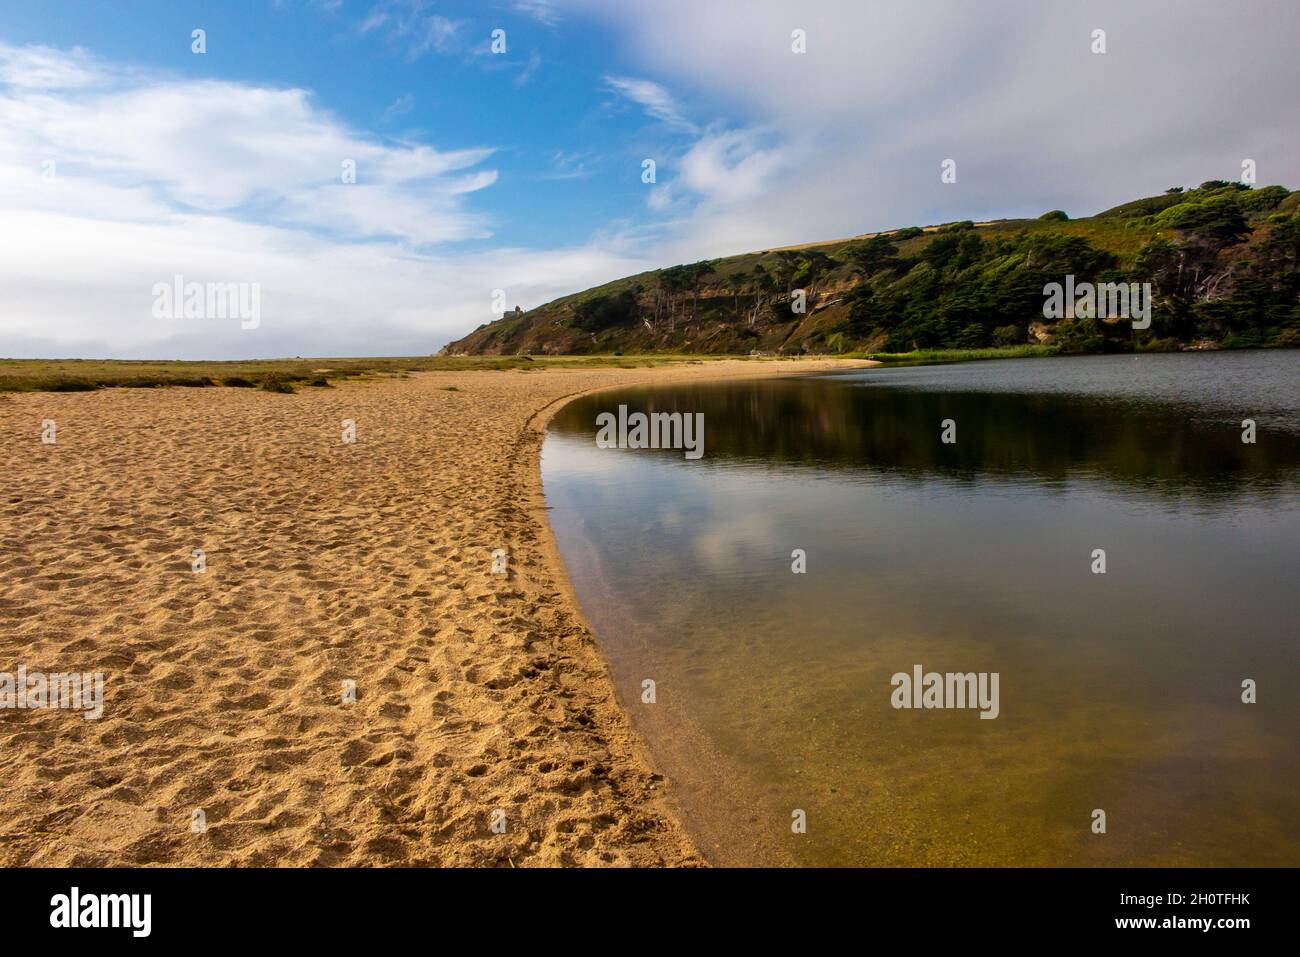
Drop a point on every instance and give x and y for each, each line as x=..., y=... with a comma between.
x=1119, y=692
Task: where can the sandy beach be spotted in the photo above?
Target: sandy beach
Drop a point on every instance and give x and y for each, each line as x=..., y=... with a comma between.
x=228, y=736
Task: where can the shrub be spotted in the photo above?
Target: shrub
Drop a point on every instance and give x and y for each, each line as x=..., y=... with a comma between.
x=1261, y=200
x=274, y=382
x=1218, y=217
x=1078, y=336
x=1008, y=335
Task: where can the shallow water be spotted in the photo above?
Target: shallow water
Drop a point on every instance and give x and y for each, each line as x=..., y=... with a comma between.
x=1118, y=691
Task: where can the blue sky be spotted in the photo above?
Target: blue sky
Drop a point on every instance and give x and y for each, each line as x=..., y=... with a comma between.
x=567, y=147
x=126, y=159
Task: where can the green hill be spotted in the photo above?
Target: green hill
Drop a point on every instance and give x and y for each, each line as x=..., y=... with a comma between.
x=1223, y=261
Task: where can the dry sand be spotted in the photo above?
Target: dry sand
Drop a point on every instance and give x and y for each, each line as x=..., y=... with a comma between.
x=326, y=562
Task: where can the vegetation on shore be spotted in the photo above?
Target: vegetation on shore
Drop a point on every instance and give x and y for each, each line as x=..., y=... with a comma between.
x=275, y=375
x=933, y=356
x=1223, y=261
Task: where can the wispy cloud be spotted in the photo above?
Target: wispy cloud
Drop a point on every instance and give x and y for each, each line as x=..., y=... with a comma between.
x=657, y=102
x=400, y=106
x=543, y=11
x=48, y=68
x=531, y=66
x=373, y=21
x=412, y=25
x=565, y=165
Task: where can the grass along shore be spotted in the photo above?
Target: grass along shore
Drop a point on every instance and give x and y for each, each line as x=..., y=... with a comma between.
x=282, y=375
x=937, y=356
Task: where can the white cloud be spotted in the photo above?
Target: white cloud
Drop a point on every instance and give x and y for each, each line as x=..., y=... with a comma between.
x=82, y=287
x=733, y=165
x=155, y=176
x=47, y=68
x=660, y=198
x=854, y=130
x=218, y=147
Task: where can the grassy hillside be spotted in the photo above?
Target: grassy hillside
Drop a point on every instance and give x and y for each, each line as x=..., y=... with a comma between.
x=1223, y=260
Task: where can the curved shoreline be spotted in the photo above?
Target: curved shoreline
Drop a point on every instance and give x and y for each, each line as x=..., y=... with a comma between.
x=329, y=564
x=668, y=802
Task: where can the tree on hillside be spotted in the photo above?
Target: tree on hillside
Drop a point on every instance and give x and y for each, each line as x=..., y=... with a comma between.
x=1054, y=255
x=1216, y=221
x=956, y=249
x=735, y=283
x=873, y=255
x=764, y=283
x=812, y=264
x=697, y=273
x=787, y=262
x=1279, y=254
x=674, y=282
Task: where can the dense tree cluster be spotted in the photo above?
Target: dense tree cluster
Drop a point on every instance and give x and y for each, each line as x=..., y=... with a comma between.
x=1214, y=277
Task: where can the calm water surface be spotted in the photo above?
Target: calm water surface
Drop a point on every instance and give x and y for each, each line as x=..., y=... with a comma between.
x=1119, y=691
